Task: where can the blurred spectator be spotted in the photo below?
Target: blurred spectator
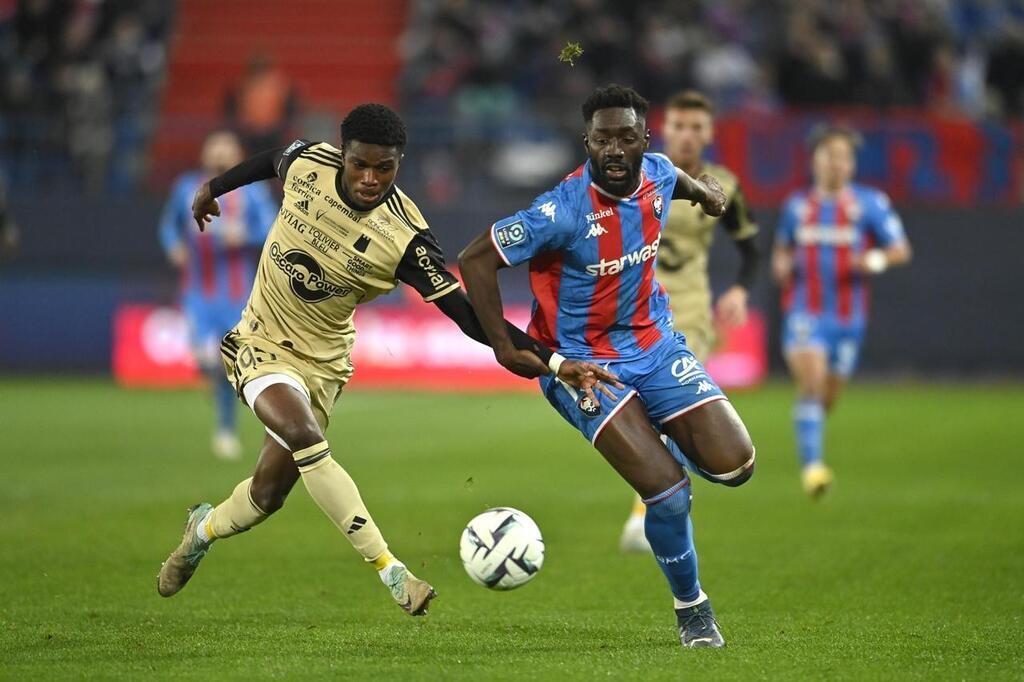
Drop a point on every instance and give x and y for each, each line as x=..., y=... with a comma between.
x=939, y=54
x=77, y=87
x=262, y=106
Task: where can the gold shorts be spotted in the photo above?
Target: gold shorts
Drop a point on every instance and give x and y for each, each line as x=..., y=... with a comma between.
x=250, y=356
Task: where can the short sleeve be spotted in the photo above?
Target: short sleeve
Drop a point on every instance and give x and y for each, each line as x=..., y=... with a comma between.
x=290, y=153
x=785, y=234
x=883, y=223
x=422, y=268
x=548, y=225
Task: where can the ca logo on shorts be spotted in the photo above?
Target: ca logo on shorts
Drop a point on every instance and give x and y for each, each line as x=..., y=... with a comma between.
x=588, y=406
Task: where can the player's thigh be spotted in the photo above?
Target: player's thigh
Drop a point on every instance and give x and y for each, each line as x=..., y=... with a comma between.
x=809, y=368
x=287, y=413
x=634, y=449
x=713, y=436
x=275, y=476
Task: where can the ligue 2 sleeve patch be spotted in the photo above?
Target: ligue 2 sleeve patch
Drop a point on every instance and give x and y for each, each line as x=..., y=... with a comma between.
x=510, y=235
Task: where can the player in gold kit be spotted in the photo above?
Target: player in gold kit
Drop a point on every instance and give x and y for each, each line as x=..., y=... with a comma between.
x=344, y=235
x=682, y=266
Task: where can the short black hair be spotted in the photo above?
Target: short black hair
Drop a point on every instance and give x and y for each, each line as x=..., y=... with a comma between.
x=614, y=96
x=374, y=124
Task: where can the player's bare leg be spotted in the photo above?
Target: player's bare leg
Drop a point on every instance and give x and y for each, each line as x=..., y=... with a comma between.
x=809, y=368
x=834, y=385
x=288, y=414
x=252, y=501
x=715, y=439
x=635, y=450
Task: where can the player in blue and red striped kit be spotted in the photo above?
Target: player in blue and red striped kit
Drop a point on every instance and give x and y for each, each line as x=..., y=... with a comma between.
x=830, y=240
x=591, y=244
x=217, y=266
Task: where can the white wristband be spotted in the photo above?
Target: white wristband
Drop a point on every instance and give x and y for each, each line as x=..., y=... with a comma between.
x=875, y=261
x=555, y=363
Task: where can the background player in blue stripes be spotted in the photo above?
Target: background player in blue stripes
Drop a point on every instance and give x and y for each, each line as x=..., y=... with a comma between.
x=217, y=268
x=591, y=244
x=831, y=239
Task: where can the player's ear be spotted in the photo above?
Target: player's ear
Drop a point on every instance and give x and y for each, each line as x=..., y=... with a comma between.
x=586, y=142
x=647, y=139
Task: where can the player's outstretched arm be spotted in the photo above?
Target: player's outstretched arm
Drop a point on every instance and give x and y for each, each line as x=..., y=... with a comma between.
x=705, y=191
x=263, y=166
x=479, y=264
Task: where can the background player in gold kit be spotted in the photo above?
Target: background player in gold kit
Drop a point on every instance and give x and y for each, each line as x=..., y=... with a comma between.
x=682, y=266
x=344, y=235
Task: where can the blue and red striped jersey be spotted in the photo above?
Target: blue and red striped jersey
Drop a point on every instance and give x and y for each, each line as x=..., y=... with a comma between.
x=215, y=270
x=592, y=259
x=826, y=234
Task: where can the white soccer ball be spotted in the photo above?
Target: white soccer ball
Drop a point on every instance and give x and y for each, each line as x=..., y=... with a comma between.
x=502, y=549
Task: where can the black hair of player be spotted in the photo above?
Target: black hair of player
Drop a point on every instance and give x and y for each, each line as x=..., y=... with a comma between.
x=614, y=96
x=374, y=124
x=824, y=132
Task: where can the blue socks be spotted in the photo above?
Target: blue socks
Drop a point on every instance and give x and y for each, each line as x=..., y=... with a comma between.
x=809, y=420
x=670, y=532
x=225, y=400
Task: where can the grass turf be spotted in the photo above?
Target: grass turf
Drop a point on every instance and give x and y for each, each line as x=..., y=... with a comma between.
x=911, y=569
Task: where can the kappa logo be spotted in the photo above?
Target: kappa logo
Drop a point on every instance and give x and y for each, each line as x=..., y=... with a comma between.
x=508, y=235
x=588, y=406
x=658, y=205
x=704, y=387
x=596, y=231
x=303, y=206
x=305, y=275
x=548, y=209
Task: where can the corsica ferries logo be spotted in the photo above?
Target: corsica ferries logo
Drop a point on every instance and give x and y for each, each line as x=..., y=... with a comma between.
x=305, y=275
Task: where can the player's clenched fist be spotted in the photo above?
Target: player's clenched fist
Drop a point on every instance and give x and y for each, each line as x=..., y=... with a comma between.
x=714, y=199
x=204, y=206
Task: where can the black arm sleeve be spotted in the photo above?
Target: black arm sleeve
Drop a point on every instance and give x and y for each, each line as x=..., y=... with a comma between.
x=263, y=166
x=422, y=268
x=750, y=258
x=457, y=307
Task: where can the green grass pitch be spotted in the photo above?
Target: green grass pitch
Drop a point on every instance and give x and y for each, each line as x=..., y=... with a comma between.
x=912, y=569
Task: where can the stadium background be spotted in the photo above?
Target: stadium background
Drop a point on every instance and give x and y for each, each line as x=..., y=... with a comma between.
x=105, y=102
x=911, y=570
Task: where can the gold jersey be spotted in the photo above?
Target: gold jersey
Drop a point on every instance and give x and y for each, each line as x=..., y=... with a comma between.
x=323, y=257
x=682, y=266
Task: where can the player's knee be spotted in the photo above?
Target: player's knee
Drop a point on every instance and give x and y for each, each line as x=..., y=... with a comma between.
x=741, y=468
x=300, y=434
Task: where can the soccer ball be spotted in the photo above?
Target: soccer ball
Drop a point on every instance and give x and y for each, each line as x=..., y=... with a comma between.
x=502, y=549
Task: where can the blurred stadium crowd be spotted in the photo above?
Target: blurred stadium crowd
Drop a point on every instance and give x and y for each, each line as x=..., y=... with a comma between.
x=79, y=87
x=80, y=79
x=960, y=55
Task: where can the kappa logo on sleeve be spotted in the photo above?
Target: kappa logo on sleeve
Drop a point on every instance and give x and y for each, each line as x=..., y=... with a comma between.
x=548, y=209
x=509, y=235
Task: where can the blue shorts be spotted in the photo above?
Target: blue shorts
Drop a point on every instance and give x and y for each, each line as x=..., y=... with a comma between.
x=208, y=322
x=668, y=379
x=839, y=341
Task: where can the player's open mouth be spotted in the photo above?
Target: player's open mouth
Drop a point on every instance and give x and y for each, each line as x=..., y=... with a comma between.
x=616, y=172
x=367, y=196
